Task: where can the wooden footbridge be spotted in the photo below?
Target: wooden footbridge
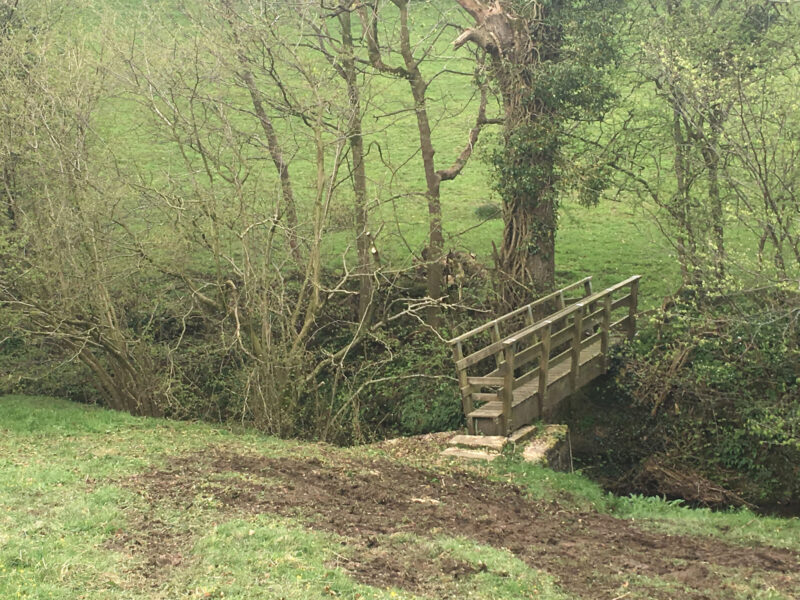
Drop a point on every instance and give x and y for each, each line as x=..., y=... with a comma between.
x=519, y=367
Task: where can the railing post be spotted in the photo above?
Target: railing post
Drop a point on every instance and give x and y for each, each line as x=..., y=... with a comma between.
x=587, y=287
x=463, y=384
x=577, y=336
x=544, y=365
x=606, y=330
x=561, y=304
x=496, y=338
x=508, y=387
x=632, y=308
x=529, y=320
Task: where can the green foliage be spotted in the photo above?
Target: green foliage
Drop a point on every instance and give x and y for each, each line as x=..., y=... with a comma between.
x=523, y=165
x=421, y=395
x=722, y=385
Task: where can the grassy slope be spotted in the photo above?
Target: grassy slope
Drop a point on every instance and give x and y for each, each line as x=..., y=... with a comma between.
x=63, y=500
x=610, y=241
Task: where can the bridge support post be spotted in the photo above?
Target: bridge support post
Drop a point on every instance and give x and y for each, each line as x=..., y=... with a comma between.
x=577, y=337
x=544, y=366
x=606, y=331
x=632, y=308
x=588, y=289
x=466, y=389
x=508, y=387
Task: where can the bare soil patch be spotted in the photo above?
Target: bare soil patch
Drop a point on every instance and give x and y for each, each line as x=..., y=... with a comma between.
x=158, y=544
x=384, y=562
x=590, y=554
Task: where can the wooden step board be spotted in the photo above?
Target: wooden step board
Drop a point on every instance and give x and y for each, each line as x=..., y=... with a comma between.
x=454, y=452
x=488, y=442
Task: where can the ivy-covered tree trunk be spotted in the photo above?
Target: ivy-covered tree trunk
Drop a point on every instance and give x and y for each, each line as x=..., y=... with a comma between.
x=517, y=38
x=548, y=59
x=525, y=169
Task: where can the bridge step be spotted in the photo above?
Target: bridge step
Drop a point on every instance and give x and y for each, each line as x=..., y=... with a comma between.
x=454, y=452
x=491, y=442
x=549, y=447
x=523, y=434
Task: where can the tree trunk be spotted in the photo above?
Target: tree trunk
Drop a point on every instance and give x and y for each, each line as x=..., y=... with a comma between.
x=356, y=139
x=411, y=72
x=681, y=205
x=710, y=150
x=525, y=167
x=273, y=146
x=8, y=193
x=432, y=178
x=527, y=253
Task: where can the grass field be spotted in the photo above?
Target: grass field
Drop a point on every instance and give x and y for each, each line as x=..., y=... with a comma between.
x=96, y=504
x=611, y=241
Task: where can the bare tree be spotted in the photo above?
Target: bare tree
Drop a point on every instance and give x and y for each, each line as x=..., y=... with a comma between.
x=272, y=312
x=411, y=71
x=695, y=56
x=63, y=276
x=763, y=170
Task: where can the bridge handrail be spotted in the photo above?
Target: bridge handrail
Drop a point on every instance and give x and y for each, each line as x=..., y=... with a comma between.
x=572, y=336
x=518, y=311
x=565, y=312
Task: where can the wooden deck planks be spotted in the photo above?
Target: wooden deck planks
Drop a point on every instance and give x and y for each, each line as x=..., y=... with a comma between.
x=523, y=393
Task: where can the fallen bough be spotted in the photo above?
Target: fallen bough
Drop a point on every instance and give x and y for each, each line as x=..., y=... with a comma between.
x=653, y=478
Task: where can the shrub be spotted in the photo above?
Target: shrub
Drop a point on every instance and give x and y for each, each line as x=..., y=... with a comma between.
x=722, y=386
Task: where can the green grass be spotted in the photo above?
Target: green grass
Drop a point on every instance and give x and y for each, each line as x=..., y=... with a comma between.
x=581, y=493
x=55, y=529
x=63, y=502
x=611, y=241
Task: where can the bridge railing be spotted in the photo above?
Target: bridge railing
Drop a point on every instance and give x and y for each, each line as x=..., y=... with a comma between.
x=538, y=347
x=482, y=348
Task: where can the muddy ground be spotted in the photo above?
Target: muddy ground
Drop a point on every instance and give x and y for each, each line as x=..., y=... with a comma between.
x=367, y=500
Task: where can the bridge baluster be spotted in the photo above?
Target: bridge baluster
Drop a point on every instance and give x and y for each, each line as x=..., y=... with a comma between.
x=495, y=333
x=508, y=387
x=544, y=365
x=577, y=337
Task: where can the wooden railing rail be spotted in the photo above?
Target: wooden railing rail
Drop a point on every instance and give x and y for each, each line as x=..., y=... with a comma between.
x=577, y=306
x=528, y=308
